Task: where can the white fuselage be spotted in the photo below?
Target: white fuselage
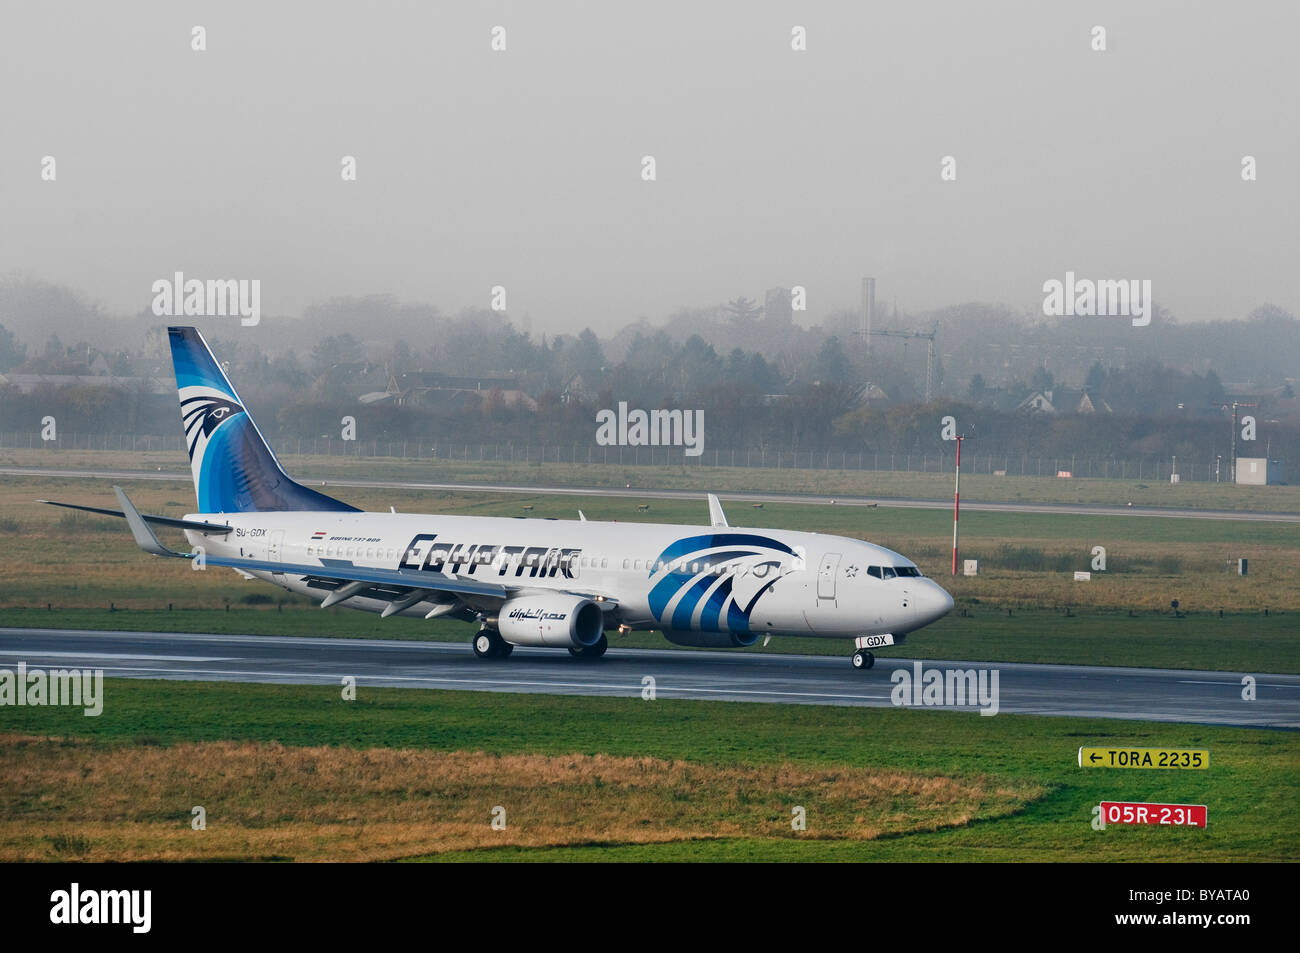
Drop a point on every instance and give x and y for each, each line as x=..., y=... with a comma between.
x=658, y=576
x=655, y=576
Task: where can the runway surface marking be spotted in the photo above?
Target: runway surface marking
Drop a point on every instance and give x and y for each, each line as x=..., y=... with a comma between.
x=115, y=655
x=1076, y=690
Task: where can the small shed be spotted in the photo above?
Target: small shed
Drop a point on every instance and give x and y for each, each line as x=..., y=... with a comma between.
x=1259, y=471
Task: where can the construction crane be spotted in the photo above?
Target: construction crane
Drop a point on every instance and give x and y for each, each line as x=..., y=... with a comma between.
x=928, y=337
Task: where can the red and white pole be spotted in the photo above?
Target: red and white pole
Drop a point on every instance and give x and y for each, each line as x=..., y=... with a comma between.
x=956, y=505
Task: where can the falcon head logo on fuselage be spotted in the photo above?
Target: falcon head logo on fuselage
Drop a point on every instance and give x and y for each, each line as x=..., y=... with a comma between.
x=713, y=582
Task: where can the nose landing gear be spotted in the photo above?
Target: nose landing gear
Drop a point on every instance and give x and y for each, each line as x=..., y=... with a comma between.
x=863, y=660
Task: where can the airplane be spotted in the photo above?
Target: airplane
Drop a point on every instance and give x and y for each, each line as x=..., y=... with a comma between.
x=560, y=584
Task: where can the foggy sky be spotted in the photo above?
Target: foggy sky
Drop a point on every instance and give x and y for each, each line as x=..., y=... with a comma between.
x=522, y=168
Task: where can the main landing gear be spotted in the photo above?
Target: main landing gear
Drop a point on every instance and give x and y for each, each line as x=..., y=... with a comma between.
x=863, y=660
x=489, y=644
x=591, y=651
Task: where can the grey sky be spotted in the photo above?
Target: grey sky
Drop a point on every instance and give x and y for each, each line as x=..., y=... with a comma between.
x=774, y=167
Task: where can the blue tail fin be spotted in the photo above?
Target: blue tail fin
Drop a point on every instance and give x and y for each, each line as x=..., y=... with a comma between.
x=234, y=469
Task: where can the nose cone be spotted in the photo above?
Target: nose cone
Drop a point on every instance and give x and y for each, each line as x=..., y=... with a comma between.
x=931, y=602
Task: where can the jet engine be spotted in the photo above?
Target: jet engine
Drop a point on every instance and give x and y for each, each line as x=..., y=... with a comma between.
x=555, y=620
x=711, y=640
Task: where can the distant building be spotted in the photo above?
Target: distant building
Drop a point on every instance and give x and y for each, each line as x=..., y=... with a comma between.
x=777, y=307
x=872, y=395
x=1259, y=471
x=442, y=392
x=576, y=391
x=1064, y=401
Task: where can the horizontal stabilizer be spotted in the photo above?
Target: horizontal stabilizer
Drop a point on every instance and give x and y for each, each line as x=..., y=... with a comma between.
x=173, y=522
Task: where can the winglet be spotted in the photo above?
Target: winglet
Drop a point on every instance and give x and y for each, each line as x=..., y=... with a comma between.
x=144, y=536
x=716, y=516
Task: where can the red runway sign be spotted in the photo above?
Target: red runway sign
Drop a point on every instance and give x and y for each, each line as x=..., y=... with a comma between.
x=1167, y=815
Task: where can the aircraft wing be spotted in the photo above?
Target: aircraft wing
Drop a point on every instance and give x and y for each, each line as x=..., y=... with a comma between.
x=399, y=586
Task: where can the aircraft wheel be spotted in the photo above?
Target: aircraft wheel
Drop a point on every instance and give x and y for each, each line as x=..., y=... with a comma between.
x=487, y=644
x=863, y=660
x=506, y=649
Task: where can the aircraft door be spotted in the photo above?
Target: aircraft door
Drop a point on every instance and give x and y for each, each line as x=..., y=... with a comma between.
x=275, y=546
x=830, y=565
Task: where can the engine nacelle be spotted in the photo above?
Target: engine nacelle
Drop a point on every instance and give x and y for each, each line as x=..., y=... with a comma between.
x=711, y=640
x=552, y=620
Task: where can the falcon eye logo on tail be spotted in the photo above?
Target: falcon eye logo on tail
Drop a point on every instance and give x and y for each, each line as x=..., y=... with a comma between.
x=203, y=413
x=713, y=582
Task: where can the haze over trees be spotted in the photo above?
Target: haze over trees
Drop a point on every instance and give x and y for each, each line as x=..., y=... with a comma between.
x=406, y=371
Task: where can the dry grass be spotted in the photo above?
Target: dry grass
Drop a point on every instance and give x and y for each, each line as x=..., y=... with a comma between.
x=73, y=799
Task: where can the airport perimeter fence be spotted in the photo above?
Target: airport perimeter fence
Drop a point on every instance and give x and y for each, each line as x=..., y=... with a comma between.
x=974, y=462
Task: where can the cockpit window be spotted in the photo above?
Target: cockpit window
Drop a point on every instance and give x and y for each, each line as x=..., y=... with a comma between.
x=911, y=571
x=873, y=571
x=887, y=572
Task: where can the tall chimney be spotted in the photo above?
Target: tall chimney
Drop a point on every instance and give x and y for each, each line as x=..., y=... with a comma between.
x=868, y=308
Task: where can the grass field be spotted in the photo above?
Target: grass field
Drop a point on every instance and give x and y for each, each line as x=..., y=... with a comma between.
x=881, y=484
x=294, y=772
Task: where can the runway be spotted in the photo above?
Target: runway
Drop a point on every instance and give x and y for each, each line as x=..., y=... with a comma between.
x=1071, y=509
x=1073, y=690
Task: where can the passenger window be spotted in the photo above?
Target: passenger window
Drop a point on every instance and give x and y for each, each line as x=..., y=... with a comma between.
x=873, y=571
x=627, y=564
x=604, y=563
